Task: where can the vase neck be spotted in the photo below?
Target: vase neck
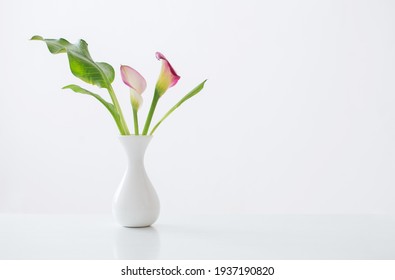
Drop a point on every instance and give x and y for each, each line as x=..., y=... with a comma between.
x=135, y=146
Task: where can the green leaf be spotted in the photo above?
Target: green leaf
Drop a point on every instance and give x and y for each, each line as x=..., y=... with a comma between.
x=54, y=46
x=190, y=94
x=82, y=65
x=110, y=107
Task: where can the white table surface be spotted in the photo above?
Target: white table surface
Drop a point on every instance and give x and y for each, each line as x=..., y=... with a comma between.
x=214, y=237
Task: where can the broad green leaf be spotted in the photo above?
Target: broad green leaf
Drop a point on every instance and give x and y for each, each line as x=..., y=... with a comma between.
x=82, y=65
x=54, y=46
x=110, y=107
x=190, y=94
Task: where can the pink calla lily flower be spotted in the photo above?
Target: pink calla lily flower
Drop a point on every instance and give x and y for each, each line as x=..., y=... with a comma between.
x=136, y=83
x=167, y=77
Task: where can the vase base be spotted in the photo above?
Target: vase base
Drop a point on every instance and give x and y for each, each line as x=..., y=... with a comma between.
x=142, y=226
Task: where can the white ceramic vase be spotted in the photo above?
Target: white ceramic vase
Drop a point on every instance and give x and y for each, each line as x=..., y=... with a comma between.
x=135, y=203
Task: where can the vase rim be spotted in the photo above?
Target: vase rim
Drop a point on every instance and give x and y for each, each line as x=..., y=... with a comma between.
x=134, y=135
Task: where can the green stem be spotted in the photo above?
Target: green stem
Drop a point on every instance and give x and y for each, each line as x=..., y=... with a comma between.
x=123, y=124
x=190, y=94
x=164, y=117
x=150, y=113
x=119, y=125
x=136, y=122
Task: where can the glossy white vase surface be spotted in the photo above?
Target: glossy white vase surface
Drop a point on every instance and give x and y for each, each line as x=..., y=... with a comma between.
x=135, y=203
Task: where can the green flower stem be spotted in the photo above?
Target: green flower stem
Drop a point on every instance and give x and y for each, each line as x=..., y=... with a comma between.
x=165, y=116
x=136, y=122
x=119, y=125
x=190, y=94
x=151, y=113
x=123, y=124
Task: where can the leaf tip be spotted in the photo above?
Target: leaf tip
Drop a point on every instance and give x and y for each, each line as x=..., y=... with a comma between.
x=202, y=84
x=37, y=38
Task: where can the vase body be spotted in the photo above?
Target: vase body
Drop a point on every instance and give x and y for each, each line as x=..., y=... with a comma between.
x=135, y=203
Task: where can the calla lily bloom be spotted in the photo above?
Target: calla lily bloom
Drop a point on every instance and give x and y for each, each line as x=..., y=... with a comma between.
x=167, y=77
x=136, y=83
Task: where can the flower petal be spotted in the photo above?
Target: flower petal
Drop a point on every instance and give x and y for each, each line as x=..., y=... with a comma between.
x=133, y=79
x=167, y=77
x=136, y=99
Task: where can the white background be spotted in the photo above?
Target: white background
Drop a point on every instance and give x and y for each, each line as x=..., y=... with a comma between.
x=297, y=115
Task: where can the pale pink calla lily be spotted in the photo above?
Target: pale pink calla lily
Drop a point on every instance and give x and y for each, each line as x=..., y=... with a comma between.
x=167, y=77
x=136, y=83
